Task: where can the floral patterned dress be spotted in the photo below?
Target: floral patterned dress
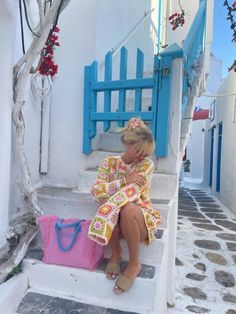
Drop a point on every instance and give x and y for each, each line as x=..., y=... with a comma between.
x=111, y=191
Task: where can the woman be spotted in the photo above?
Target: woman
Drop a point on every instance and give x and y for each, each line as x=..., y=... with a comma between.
x=123, y=189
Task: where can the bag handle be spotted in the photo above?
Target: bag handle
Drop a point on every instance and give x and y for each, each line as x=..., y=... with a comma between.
x=77, y=228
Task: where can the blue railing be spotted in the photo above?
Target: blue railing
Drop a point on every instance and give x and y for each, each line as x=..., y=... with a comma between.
x=191, y=52
x=92, y=87
x=192, y=49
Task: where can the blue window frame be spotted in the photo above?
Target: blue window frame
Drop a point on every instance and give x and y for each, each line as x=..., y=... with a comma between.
x=211, y=156
x=220, y=129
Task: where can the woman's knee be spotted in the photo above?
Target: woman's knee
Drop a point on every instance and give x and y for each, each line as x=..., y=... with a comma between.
x=127, y=211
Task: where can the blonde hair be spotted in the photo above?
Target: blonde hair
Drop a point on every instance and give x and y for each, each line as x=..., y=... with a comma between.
x=136, y=132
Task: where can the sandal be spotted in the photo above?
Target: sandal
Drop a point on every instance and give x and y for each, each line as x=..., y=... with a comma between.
x=112, y=270
x=123, y=283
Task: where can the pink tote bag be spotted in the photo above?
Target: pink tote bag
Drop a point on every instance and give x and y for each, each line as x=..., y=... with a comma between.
x=66, y=242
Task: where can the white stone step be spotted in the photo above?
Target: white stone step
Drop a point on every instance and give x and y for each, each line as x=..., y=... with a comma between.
x=68, y=204
x=92, y=287
x=36, y=302
x=110, y=141
x=148, y=254
x=163, y=184
x=11, y=293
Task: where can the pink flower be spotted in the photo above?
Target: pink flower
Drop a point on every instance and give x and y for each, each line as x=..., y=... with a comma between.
x=56, y=29
x=47, y=66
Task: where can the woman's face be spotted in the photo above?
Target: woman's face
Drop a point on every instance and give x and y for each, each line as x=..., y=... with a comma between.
x=132, y=153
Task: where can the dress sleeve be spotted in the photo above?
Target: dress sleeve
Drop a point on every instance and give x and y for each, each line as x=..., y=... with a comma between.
x=146, y=169
x=102, y=188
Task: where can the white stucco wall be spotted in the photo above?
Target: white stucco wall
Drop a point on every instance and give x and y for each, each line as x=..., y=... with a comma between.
x=206, y=159
x=88, y=31
x=78, y=43
x=32, y=118
x=197, y=151
x=7, y=18
x=198, y=146
x=226, y=113
x=215, y=76
x=32, y=108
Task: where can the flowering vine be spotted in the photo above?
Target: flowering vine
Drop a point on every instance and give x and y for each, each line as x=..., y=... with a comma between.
x=47, y=67
x=230, y=16
x=177, y=18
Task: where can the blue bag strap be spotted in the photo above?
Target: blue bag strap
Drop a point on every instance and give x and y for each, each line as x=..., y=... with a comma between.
x=77, y=228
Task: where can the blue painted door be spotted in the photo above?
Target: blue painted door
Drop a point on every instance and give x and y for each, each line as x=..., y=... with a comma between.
x=211, y=156
x=219, y=157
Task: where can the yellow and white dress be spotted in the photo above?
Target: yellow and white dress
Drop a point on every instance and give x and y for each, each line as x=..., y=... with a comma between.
x=110, y=190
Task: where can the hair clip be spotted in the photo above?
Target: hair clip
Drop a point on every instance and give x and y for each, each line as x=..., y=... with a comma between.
x=135, y=123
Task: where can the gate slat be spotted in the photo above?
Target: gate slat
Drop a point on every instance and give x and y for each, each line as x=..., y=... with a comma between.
x=93, y=100
x=123, y=76
x=139, y=74
x=114, y=116
x=155, y=89
x=126, y=84
x=87, y=86
x=107, y=93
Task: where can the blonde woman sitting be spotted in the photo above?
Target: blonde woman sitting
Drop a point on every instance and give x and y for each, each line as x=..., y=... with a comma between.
x=122, y=187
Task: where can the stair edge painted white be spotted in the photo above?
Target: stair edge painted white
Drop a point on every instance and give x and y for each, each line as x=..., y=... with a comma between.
x=69, y=279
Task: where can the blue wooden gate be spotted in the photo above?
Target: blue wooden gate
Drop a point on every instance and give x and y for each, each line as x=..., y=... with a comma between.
x=92, y=87
x=159, y=84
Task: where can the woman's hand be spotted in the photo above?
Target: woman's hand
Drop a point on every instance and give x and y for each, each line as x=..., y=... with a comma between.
x=137, y=178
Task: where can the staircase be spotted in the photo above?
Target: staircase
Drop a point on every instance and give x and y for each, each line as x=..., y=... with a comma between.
x=92, y=287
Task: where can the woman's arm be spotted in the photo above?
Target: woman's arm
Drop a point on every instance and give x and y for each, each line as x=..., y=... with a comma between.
x=142, y=174
x=102, y=188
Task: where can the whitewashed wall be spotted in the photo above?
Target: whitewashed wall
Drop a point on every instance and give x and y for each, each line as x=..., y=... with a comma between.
x=226, y=113
x=198, y=147
x=32, y=118
x=197, y=151
x=88, y=31
x=7, y=34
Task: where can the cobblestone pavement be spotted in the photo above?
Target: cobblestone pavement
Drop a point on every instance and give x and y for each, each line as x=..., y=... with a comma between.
x=206, y=255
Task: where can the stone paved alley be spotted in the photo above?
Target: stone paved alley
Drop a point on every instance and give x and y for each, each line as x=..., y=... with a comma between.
x=206, y=255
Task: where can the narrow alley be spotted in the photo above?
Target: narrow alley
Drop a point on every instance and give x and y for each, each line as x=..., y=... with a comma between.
x=206, y=255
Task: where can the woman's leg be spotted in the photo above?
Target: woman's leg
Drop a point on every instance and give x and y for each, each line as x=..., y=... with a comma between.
x=115, y=241
x=113, y=268
x=133, y=229
x=115, y=244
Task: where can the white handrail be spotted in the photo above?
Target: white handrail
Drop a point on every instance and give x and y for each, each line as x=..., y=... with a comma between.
x=129, y=35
